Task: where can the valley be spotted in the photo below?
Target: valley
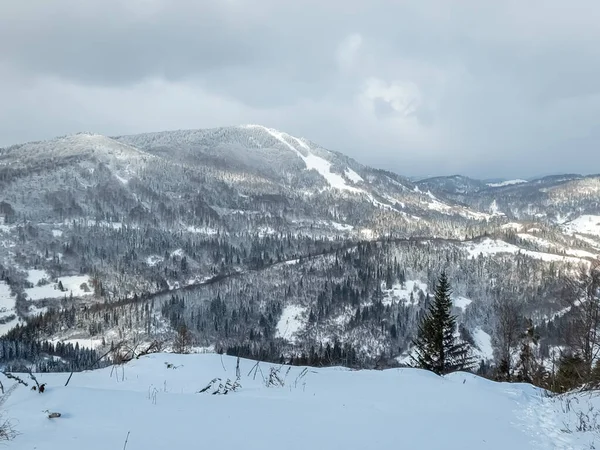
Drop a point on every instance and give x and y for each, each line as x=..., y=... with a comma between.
x=265, y=244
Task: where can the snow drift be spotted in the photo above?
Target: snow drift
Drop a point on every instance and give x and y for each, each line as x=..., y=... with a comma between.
x=157, y=402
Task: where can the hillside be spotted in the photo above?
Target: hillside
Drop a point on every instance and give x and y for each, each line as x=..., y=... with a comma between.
x=264, y=244
x=155, y=406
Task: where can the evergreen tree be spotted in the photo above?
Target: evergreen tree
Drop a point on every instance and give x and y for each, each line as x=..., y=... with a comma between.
x=529, y=369
x=571, y=373
x=437, y=349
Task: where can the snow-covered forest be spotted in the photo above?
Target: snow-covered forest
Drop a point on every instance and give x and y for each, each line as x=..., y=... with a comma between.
x=255, y=243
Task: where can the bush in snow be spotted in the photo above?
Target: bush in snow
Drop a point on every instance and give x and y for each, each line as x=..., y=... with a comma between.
x=7, y=431
x=218, y=387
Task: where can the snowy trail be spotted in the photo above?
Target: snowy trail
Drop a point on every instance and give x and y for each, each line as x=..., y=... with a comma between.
x=331, y=408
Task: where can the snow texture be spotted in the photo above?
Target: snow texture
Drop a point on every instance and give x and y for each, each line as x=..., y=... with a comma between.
x=484, y=343
x=312, y=161
x=461, y=302
x=78, y=285
x=155, y=405
x=291, y=321
x=353, y=176
x=489, y=247
x=401, y=292
x=507, y=183
x=8, y=314
x=586, y=224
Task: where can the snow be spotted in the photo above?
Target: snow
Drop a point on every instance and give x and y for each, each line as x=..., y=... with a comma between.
x=593, y=242
x=71, y=284
x=121, y=179
x=33, y=310
x=202, y=230
x=401, y=293
x=512, y=226
x=35, y=276
x=290, y=322
x=179, y=253
x=367, y=233
x=7, y=309
x=353, y=176
x=436, y=205
x=153, y=260
x=484, y=343
x=586, y=224
x=57, y=233
x=157, y=406
x=535, y=239
x=94, y=223
x=83, y=343
x=323, y=167
x=341, y=226
x=489, y=247
x=312, y=161
x=266, y=231
x=495, y=209
x=550, y=245
x=461, y=302
x=507, y=183
x=7, y=301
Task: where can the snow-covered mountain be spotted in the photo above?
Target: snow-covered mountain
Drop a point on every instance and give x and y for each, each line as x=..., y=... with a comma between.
x=552, y=199
x=263, y=243
x=228, y=168
x=157, y=402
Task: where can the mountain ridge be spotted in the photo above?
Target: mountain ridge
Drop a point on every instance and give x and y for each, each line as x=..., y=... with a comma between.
x=230, y=231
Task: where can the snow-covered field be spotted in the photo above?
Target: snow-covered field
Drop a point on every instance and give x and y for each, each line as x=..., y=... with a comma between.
x=488, y=247
x=401, y=293
x=78, y=285
x=291, y=321
x=507, y=183
x=484, y=344
x=586, y=224
x=8, y=313
x=155, y=406
x=546, y=244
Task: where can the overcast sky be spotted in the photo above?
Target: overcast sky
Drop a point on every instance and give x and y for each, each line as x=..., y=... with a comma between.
x=485, y=88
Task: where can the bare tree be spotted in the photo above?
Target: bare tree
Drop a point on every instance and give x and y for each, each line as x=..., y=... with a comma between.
x=583, y=296
x=183, y=340
x=507, y=333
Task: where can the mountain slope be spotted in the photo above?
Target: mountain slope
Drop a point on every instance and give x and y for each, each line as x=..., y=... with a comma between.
x=152, y=405
x=139, y=198
x=245, y=234
x=552, y=199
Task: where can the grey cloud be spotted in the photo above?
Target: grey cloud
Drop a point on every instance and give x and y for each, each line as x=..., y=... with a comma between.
x=430, y=87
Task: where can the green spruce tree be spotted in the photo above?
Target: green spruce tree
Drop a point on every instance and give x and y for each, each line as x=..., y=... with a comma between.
x=436, y=347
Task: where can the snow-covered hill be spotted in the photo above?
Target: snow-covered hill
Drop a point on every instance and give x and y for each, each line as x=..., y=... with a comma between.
x=155, y=403
x=553, y=199
x=253, y=237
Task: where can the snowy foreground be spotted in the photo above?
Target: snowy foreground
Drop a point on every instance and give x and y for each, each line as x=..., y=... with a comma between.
x=159, y=406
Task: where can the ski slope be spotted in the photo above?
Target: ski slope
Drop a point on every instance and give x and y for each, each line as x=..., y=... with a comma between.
x=160, y=407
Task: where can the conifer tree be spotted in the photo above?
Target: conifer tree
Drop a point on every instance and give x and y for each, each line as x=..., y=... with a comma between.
x=436, y=347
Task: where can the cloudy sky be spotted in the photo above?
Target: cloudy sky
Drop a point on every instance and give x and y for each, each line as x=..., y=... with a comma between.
x=505, y=88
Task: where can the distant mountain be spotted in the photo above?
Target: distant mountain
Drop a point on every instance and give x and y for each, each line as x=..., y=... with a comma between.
x=265, y=243
x=452, y=185
x=553, y=199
